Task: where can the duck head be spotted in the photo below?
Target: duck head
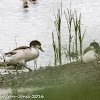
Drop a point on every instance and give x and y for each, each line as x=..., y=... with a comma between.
x=36, y=44
x=95, y=46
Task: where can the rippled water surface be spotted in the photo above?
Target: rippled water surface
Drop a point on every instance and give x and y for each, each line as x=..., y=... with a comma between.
x=37, y=23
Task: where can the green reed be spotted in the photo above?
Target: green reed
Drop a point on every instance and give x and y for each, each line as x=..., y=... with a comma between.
x=80, y=35
x=73, y=21
x=75, y=36
x=57, y=49
x=69, y=17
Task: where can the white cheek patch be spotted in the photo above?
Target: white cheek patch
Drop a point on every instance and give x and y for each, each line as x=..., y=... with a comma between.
x=92, y=47
x=37, y=46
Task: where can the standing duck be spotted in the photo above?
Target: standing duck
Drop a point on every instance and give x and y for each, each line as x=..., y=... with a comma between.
x=23, y=54
x=91, y=53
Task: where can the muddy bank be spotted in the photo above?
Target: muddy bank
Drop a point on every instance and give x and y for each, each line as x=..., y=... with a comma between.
x=65, y=74
x=74, y=81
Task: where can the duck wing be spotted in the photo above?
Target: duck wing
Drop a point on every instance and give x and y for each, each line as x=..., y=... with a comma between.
x=21, y=47
x=86, y=50
x=9, y=54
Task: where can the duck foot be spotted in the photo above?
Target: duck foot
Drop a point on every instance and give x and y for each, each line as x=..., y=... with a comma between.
x=28, y=68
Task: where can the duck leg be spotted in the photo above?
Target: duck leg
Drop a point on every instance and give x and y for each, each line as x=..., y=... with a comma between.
x=28, y=68
x=35, y=64
x=23, y=63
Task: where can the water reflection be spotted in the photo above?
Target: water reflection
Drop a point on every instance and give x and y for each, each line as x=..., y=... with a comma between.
x=25, y=10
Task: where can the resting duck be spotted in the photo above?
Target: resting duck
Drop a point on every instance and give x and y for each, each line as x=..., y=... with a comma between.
x=91, y=53
x=23, y=54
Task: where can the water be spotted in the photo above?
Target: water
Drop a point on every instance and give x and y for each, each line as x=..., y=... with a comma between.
x=37, y=23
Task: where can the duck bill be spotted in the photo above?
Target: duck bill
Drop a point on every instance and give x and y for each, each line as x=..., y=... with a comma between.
x=41, y=49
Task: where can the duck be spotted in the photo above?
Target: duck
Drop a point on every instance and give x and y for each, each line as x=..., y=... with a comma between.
x=25, y=4
x=32, y=0
x=91, y=53
x=23, y=54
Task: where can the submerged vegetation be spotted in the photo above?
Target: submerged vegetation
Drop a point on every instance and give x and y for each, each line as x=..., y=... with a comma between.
x=73, y=23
